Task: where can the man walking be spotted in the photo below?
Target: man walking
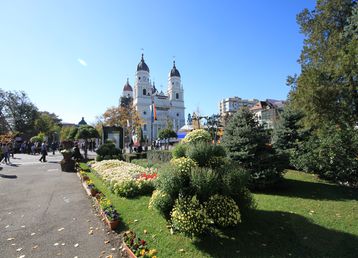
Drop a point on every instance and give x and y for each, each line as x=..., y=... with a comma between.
x=43, y=152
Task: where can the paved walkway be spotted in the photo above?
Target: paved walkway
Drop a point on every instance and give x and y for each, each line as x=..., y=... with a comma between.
x=45, y=212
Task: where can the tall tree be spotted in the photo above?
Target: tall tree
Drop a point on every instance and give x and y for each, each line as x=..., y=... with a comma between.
x=17, y=112
x=326, y=89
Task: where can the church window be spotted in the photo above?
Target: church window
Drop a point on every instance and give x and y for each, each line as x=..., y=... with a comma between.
x=144, y=112
x=177, y=95
x=144, y=92
x=172, y=83
x=139, y=78
x=144, y=127
x=177, y=114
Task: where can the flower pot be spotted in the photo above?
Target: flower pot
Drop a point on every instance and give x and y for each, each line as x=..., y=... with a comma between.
x=112, y=224
x=93, y=192
x=129, y=251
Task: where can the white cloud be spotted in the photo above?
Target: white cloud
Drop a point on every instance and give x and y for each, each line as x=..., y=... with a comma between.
x=82, y=62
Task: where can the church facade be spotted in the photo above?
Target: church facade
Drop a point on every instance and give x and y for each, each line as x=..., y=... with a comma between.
x=169, y=105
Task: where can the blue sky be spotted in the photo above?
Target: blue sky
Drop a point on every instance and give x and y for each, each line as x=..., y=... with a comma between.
x=73, y=57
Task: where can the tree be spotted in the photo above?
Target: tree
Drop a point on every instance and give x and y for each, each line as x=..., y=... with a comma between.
x=288, y=133
x=86, y=132
x=167, y=133
x=48, y=123
x=326, y=89
x=246, y=143
x=17, y=112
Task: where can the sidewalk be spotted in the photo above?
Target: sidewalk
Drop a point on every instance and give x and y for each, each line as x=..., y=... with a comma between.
x=46, y=213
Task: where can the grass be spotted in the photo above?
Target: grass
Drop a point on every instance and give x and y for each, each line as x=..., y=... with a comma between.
x=306, y=217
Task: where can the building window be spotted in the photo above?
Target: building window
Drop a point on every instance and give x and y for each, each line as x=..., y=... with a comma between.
x=144, y=127
x=177, y=95
x=144, y=112
x=139, y=78
x=144, y=92
x=177, y=114
x=172, y=83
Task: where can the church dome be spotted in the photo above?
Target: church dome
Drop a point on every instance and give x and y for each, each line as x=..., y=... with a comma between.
x=127, y=87
x=174, y=71
x=142, y=66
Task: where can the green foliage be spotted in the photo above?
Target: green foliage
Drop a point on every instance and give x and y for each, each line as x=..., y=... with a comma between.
x=247, y=145
x=108, y=151
x=204, y=182
x=38, y=138
x=288, y=133
x=198, y=135
x=189, y=217
x=184, y=165
x=179, y=150
x=234, y=179
x=337, y=154
x=326, y=89
x=167, y=133
x=173, y=181
x=72, y=133
x=206, y=154
x=159, y=156
x=17, y=112
x=86, y=132
x=162, y=202
x=223, y=211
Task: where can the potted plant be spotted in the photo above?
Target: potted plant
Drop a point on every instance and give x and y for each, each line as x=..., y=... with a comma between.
x=110, y=214
x=137, y=247
x=67, y=163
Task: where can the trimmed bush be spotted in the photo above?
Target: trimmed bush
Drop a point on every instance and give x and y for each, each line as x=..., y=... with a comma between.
x=179, y=151
x=174, y=181
x=223, y=211
x=155, y=156
x=205, y=182
x=206, y=154
x=184, y=164
x=108, y=151
x=189, y=216
x=132, y=188
x=161, y=202
x=198, y=135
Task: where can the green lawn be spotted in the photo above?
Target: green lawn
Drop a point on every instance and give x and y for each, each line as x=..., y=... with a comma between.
x=306, y=217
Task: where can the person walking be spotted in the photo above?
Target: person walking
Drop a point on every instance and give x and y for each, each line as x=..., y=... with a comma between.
x=53, y=147
x=43, y=152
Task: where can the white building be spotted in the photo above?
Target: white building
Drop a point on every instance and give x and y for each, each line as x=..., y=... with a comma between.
x=229, y=106
x=267, y=112
x=169, y=105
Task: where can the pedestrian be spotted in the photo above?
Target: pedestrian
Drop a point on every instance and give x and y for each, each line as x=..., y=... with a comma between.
x=53, y=147
x=43, y=152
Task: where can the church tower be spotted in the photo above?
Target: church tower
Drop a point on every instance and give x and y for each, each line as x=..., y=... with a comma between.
x=176, y=97
x=142, y=84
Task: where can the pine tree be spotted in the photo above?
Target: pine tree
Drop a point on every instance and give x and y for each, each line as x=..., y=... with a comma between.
x=246, y=143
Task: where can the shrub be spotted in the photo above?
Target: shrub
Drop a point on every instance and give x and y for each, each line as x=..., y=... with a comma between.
x=223, y=211
x=155, y=156
x=189, y=216
x=337, y=154
x=234, y=179
x=245, y=200
x=206, y=154
x=108, y=151
x=205, y=182
x=198, y=135
x=173, y=181
x=167, y=133
x=162, y=202
x=179, y=151
x=184, y=164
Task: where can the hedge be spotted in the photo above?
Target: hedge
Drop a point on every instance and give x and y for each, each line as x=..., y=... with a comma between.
x=159, y=155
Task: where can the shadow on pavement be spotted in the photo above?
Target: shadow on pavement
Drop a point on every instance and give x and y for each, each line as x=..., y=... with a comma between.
x=8, y=176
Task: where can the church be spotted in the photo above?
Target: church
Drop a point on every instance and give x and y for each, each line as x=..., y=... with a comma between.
x=168, y=106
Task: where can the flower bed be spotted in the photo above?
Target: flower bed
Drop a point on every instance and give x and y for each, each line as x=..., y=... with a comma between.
x=126, y=179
